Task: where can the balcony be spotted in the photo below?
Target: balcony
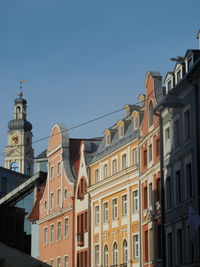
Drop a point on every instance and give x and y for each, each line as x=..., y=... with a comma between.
x=80, y=239
x=123, y=265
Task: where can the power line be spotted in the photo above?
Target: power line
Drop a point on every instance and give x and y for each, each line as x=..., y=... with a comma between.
x=84, y=123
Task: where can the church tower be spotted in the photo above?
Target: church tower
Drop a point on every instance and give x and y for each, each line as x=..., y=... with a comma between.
x=19, y=154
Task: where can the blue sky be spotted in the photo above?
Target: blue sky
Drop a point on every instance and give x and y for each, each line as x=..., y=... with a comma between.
x=85, y=58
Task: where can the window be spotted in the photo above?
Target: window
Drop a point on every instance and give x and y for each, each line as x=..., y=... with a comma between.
x=157, y=147
x=59, y=262
x=124, y=205
x=189, y=63
x=108, y=139
x=145, y=158
x=150, y=195
x=168, y=192
x=178, y=186
x=14, y=166
x=124, y=163
x=96, y=175
x=134, y=156
x=178, y=76
x=105, y=171
x=135, y=201
x=151, y=244
x=125, y=251
x=169, y=250
x=65, y=193
x=167, y=140
x=176, y=134
x=96, y=211
x=59, y=198
x=114, y=166
x=45, y=236
x=106, y=256
x=158, y=192
x=59, y=168
x=145, y=198
x=114, y=209
x=136, y=122
x=97, y=255
x=66, y=261
x=136, y=246
x=121, y=131
x=115, y=254
x=51, y=173
x=51, y=201
x=82, y=188
x=159, y=241
x=150, y=153
x=169, y=85
x=187, y=125
x=150, y=113
x=45, y=204
x=58, y=231
x=52, y=263
x=66, y=227
x=105, y=212
x=146, y=253
x=18, y=110
x=179, y=246
x=52, y=233
x=189, y=181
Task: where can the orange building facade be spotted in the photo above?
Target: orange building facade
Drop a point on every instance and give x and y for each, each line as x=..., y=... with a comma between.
x=151, y=234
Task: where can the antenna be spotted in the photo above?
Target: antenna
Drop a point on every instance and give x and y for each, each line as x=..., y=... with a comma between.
x=198, y=37
x=20, y=94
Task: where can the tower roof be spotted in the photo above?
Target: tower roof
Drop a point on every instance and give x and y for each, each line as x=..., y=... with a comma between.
x=20, y=124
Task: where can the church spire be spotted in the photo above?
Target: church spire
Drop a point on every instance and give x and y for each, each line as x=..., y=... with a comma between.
x=19, y=154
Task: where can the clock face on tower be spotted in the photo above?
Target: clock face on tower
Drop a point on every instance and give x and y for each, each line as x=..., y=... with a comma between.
x=15, y=139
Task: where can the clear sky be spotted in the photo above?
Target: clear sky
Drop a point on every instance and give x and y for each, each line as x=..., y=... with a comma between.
x=85, y=58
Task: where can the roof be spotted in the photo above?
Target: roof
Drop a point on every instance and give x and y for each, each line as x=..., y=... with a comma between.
x=35, y=212
x=129, y=134
x=42, y=155
x=10, y=257
x=23, y=189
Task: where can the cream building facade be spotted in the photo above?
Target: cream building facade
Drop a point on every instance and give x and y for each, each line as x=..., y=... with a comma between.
x=114, y=192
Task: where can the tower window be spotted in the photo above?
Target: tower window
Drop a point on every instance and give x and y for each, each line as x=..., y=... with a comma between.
x=18, y=110
x=150, y=114
x=14, y=166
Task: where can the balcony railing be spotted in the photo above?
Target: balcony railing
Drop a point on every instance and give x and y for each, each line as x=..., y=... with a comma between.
x=80, y=239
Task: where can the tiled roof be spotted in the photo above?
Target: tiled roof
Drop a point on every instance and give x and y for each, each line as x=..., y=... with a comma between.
x=42, y=155
x=35, y=212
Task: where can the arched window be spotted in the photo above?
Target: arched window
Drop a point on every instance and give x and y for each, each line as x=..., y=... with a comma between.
x=18, y=109
x=14, y=166
x=125, y=251
x=150, y=113
x=82, y=188
x=106, y=256
x=115, y=254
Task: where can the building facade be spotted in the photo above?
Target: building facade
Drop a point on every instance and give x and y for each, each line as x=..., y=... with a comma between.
x=149, y=146
x=114, y=191
x=179, y=113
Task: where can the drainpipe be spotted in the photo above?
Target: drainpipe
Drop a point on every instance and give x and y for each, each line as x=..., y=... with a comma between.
x=162, y=188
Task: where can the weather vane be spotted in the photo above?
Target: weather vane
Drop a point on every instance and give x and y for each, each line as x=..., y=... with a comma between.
x=20, y=94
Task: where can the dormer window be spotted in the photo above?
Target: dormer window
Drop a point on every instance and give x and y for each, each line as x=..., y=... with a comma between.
x=169, y=85
x=136, y=123
x=121, y=131
x=178, y=75
x=150, y=113
x=108, y=139
x=189, y=64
